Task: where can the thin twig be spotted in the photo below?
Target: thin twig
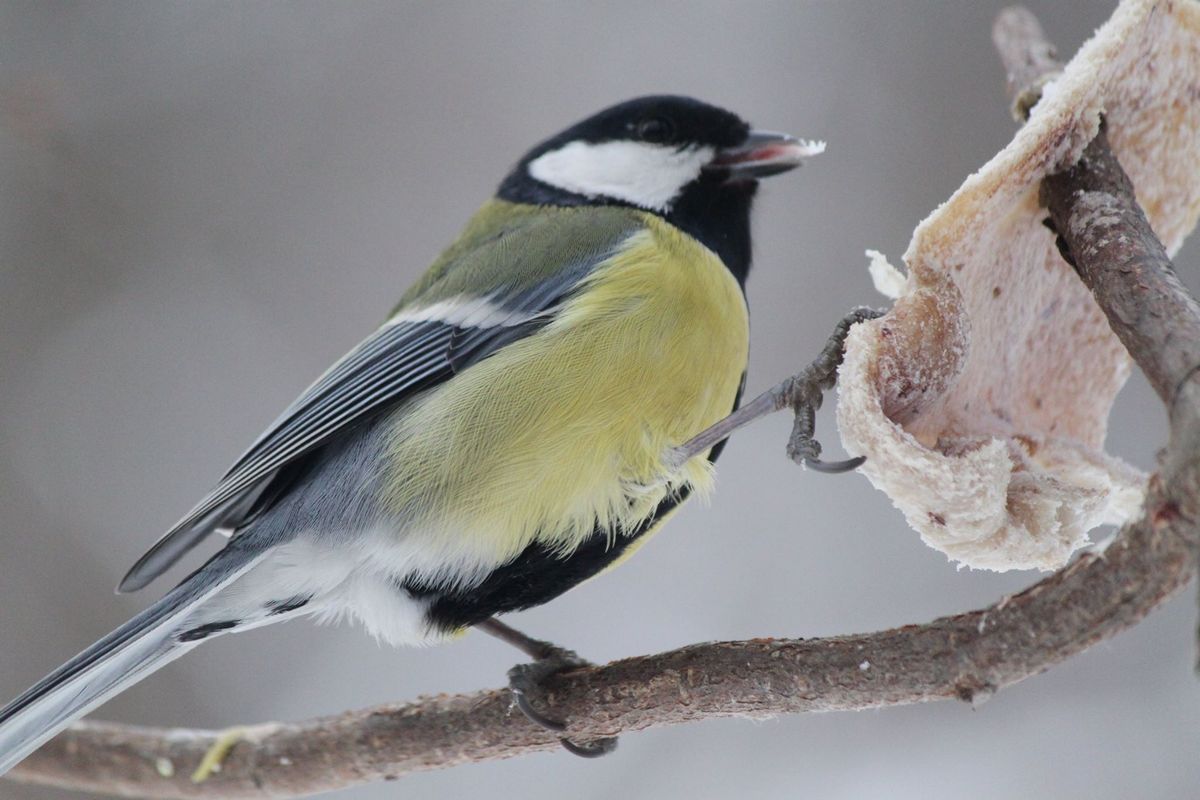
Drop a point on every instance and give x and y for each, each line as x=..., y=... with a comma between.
x=967, y=656
x=1116, y=253
x=1030, y=60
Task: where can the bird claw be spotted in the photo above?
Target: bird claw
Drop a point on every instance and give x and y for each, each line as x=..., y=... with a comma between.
x=835, y=467
x=593, y=749
x=526, y=679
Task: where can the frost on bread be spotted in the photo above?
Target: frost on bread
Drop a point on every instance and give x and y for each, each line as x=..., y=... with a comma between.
x=981, y=400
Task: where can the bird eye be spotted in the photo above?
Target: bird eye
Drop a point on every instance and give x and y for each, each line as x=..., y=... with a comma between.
x=656, y=130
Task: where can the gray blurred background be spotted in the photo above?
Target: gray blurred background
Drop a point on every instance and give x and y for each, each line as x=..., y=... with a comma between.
x=203, y=204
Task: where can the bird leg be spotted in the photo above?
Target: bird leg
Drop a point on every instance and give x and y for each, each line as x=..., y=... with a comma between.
x=802, y=393
x=525, y=679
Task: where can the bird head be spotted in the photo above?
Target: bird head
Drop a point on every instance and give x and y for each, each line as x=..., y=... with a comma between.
x=649, y=153
x=693, y=164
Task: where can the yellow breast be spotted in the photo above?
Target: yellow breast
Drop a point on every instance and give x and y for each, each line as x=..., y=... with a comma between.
x=568, y=428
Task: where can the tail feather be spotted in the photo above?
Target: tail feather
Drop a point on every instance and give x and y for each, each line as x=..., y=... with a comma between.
x=131, y=652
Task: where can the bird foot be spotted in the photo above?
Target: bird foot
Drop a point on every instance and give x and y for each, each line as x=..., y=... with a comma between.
x=805, y=392
x=527, y=679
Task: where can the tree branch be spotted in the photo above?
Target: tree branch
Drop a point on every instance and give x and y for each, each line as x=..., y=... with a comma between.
x=967, y=656
x=1030, y=60
x=1115, y=252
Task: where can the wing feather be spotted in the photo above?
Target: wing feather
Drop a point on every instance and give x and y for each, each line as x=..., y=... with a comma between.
x=423, y=345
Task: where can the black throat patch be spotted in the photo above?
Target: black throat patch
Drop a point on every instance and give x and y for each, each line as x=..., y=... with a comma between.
x=712, y=210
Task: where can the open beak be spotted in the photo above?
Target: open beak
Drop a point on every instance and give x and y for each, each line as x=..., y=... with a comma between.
x=764, y=153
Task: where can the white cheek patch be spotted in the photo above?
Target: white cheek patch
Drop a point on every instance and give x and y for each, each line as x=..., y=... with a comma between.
x=643, y=174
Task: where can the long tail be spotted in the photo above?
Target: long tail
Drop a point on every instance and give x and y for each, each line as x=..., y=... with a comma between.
x=155, y=637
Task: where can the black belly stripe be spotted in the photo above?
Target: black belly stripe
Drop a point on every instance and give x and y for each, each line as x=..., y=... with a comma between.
x=537, y=575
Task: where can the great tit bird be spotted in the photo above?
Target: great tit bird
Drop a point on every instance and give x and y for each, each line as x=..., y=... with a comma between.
x=505, y=434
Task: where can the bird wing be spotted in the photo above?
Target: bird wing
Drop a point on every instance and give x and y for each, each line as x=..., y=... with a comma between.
x=520, y=267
